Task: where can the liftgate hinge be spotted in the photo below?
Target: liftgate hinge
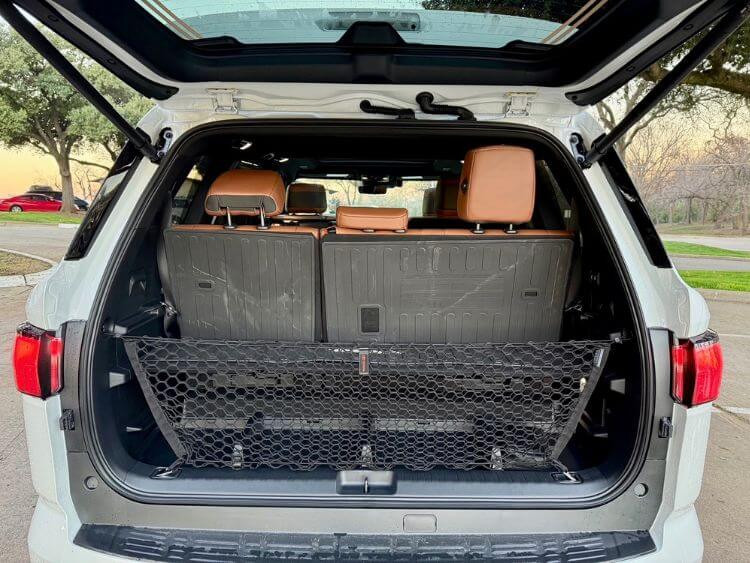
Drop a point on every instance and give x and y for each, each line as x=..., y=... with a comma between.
x=519, y=104
x=225, y=100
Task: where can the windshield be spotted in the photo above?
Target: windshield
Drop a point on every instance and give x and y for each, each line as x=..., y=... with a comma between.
x=488, y=23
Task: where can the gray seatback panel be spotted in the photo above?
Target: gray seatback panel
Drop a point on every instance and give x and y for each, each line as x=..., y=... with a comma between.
x=245, y=285
x=457, y=290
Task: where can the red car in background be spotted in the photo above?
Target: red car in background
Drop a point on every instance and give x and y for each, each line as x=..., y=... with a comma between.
x=30, y=202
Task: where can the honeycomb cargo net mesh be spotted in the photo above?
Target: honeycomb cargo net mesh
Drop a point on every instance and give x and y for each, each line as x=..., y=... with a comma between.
x=414, y=406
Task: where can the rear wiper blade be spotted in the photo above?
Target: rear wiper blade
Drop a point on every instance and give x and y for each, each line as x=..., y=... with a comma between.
x=426, y=99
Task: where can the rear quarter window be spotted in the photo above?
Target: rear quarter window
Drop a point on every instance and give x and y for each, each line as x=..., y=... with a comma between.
x=100, y=207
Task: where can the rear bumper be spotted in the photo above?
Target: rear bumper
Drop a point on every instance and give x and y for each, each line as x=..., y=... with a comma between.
x=49, y=541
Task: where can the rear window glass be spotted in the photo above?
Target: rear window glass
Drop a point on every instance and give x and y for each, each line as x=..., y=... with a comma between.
x=410, y=194
x=430, y=22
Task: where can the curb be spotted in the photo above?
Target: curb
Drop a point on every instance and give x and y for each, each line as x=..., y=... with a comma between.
x=26, y=280
x=726, y=296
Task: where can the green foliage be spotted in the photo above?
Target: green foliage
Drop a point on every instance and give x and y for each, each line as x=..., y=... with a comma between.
x=709, y=279
x=727, y=69
x=550, y=10
x=38, y=107
x=39, y=217
x=703, y=250
x=95, y=129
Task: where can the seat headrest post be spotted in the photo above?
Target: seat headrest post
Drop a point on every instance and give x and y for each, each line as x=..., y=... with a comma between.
x=511, y=230
x=478, y=230
x=262, y=214
x=229, y=224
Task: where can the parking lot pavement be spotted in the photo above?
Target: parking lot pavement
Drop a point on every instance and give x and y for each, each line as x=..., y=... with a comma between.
x=48, y=241
x=16, y=493
x=723, y=508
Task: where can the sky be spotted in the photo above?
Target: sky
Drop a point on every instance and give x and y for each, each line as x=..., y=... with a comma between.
x=23, y=167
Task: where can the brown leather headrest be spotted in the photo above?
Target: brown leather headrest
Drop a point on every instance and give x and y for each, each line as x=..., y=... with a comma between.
x=243, y=191
x=306, y=198
x=497, y=185
x=372, y=218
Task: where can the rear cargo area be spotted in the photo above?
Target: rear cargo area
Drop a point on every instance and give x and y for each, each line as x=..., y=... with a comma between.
x=413, y=315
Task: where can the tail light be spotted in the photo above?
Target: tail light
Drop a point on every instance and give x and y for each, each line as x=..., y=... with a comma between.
x=37, y=359
x=697, y=366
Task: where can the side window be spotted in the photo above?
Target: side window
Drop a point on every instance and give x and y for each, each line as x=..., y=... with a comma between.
x=184, y=196
x=99, y=209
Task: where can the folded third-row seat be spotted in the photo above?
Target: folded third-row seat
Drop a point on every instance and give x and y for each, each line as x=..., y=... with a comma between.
x=384, y=282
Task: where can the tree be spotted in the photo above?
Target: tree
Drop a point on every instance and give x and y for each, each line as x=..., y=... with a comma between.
x=39, y=108
x=727, y=68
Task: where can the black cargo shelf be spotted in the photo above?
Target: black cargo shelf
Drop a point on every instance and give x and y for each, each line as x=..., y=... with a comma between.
x=305, y=405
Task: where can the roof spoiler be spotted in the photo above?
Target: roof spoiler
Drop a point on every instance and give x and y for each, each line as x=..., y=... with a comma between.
x=722, y=29
x=49, y=52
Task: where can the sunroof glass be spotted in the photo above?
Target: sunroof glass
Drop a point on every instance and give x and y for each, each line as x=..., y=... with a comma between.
x=466, y=23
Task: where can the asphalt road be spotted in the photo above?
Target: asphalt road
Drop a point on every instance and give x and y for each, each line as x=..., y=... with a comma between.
x=723, y=508
x=48, y=241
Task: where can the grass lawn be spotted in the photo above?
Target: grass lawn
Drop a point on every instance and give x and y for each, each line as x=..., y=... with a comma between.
x=36, y=217
x=13, y=264
x=710, y=279
x=702, y=250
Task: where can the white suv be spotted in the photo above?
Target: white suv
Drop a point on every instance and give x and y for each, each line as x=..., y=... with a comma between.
x=368, y=283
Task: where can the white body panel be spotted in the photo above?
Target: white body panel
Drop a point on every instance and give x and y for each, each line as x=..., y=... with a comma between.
x=68, y=294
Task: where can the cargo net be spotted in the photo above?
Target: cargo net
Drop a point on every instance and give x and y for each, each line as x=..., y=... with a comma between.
x=414, y=406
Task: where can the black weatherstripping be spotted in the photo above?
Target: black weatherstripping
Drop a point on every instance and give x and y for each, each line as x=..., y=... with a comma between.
x=370, y=57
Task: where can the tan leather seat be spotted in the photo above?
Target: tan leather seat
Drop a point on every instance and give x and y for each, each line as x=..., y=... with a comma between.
x=371, y=220
x=245, y=282
x=457, y=285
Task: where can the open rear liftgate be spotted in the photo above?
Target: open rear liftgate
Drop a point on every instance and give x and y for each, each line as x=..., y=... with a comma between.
x=415, y=406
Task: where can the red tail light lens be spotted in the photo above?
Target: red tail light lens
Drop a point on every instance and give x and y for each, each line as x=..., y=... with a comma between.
x=37, y=356
x=697, y=366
